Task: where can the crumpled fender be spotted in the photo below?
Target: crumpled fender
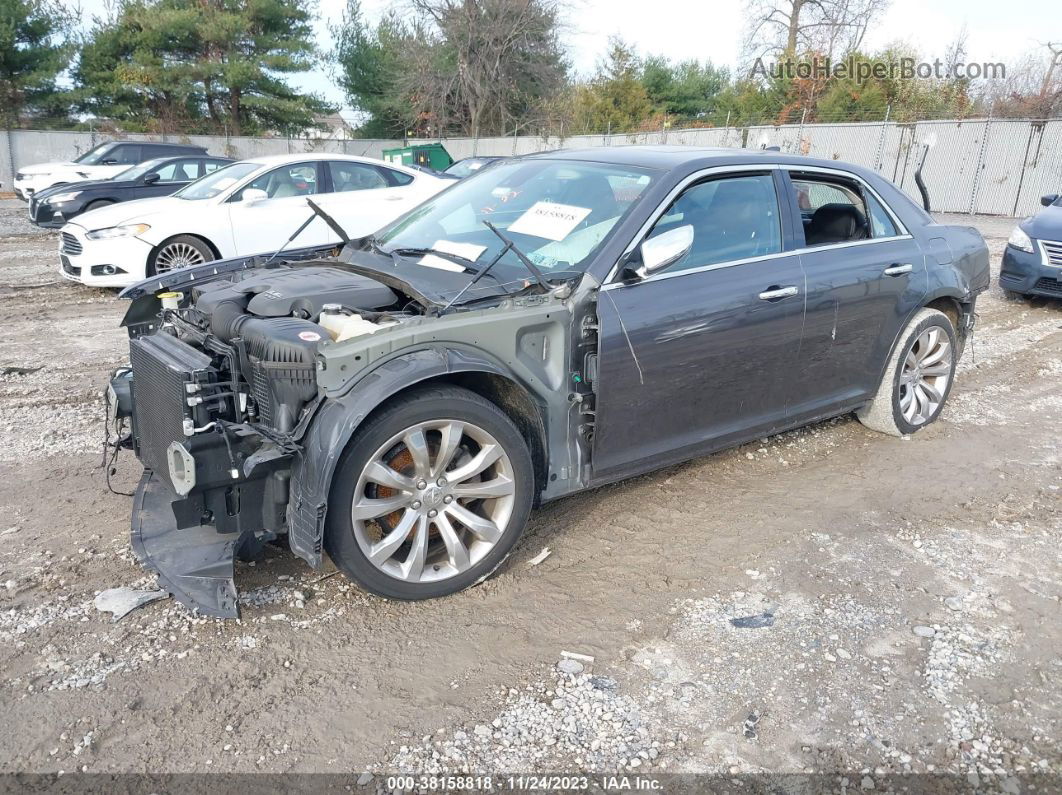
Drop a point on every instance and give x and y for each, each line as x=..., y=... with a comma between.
x=338, y=418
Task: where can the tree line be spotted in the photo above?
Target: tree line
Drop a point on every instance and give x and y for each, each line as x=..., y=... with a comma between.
x=434, y=68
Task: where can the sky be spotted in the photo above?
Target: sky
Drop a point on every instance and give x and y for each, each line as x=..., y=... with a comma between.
x=684, y=29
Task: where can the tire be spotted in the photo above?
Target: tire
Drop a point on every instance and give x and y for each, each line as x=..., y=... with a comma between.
x=922, y=368
x=97, y=204
x=180, y=251
x=425, y=522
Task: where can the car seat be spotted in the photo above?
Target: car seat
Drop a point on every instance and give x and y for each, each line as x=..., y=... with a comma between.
x=836, y=223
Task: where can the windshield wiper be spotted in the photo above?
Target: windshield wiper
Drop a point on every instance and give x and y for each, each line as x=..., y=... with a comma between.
x=509, y=246
x=456, y=259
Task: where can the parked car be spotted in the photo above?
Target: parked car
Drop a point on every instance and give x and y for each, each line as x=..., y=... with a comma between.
x=1032, y=260
x=470, y=165
x=53, y=207
x=241, y=209
x=101, y=162
x=548, y=325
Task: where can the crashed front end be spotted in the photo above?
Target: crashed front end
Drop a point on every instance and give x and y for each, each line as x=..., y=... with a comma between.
x=220, y=385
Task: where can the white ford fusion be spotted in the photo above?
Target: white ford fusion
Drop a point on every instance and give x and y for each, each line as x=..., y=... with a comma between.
x=249, y=207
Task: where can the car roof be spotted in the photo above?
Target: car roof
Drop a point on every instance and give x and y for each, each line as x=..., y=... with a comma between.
x=668, y=158
x=279, y=160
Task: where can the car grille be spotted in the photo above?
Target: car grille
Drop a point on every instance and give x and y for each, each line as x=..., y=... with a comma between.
x=162, y=365
x=73, y=270
x=71, y=245
x=1049, y=286
x=1053, y=251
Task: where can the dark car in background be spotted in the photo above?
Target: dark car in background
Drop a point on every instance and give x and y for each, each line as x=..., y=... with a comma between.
x=103, y=161
x=1032, y=261
x=55, y=206
x=470, y=165
x=551, y=324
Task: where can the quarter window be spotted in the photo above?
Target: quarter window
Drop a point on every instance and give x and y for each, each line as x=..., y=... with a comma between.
x=733, y=218
x=179, y=171
x=881, y=223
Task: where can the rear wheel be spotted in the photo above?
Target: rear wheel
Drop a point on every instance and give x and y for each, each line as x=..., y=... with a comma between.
x=181, y=251
x=918, y=379
x=431, y=495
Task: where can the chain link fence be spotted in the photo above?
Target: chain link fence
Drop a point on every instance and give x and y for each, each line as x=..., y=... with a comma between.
x=984, y=166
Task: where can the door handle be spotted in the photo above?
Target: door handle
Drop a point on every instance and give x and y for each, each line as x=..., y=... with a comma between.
x=778, y=293
x=899, y=270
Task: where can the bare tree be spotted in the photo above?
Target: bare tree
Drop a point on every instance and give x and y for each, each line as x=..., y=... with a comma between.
x=832, y=28
x=489, y=64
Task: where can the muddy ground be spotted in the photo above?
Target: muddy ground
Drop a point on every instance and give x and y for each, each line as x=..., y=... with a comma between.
x=840, y=540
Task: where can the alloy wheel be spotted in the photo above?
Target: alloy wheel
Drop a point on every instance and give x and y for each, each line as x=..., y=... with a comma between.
x=925, y=375
x=433, y=501
x=177, y=255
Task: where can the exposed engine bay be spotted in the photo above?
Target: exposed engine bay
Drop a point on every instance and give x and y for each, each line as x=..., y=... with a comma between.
x=218, y=385
x=230, y=366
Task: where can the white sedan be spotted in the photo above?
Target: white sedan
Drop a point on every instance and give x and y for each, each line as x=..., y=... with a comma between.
x=249, y=207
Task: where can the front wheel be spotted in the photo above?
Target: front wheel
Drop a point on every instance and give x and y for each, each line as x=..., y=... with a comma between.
x=918, y=379
x=430, y=496
x=182, y=251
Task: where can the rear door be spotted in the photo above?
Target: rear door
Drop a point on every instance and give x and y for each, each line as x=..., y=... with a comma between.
x=364, y=197
x=700, y=355
x=865, y=273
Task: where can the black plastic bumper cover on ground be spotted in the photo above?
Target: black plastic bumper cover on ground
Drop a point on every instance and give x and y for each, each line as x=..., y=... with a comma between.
x=193, y=563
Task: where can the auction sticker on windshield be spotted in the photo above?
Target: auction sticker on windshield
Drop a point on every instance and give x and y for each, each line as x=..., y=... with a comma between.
x=549, y=220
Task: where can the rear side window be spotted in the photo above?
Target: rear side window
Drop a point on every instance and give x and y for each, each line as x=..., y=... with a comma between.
x=179, y=171
x=733, y=218
x=394, y=178
x=348, y=176
x=212, y=165
x=125, y=154
x=832, y=210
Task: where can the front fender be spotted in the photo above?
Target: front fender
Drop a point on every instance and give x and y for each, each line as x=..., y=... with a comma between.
x=338, y=418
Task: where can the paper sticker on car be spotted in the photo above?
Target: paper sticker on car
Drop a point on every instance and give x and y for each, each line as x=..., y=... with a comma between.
x=549, y=220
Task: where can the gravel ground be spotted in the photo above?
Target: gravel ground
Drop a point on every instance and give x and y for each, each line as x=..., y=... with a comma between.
x=827, y=600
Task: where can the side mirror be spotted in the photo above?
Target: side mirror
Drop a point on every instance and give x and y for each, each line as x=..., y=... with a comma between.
x=1049, y=199
x=253, y=196
x=666, y=249
x=151, y=179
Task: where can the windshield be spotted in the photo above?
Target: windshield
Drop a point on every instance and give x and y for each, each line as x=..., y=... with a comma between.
x=468, y=166
x=557, y=212
x=141, y=169
x=214, y=183
x=94, y=155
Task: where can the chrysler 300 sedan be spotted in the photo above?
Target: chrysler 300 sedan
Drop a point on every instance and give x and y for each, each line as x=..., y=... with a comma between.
x=545, y=326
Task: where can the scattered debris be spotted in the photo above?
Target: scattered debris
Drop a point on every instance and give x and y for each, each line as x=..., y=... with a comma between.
x=15, y=370
x=923, y=631
x=122, y=601
x=754, y=622
x=571, y=655
x=541, y=556
x=569, y=666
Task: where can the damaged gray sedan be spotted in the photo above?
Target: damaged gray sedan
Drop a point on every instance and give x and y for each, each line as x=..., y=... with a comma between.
x=546, y=326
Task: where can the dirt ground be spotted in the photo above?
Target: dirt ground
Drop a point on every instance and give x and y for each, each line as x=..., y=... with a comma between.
x=903, y=594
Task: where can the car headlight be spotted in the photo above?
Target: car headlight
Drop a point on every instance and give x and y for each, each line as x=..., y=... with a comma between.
x=112, y=232
x=1020, y=240
x=64, y=197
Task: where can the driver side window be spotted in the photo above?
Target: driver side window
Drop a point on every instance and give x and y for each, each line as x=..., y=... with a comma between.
x=733, y=218
x=298, y=179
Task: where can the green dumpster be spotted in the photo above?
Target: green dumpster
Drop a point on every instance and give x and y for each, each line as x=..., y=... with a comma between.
x=433, y=156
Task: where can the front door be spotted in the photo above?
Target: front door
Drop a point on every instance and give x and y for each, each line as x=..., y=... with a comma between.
x=865, y=274
x=699, y=356
x=265, y=225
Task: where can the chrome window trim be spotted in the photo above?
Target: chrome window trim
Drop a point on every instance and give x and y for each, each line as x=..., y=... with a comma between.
x=666, y=203
x=612, y=283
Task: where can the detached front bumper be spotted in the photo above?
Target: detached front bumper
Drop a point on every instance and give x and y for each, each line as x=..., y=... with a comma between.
x=1028, y=274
